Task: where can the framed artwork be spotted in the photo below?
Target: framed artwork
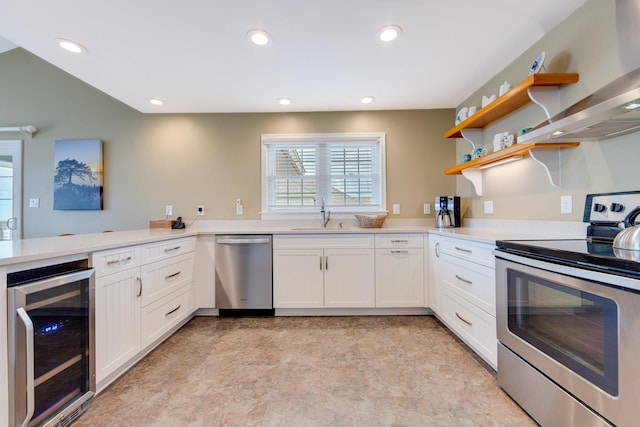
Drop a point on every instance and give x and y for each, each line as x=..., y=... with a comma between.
x=78, y=178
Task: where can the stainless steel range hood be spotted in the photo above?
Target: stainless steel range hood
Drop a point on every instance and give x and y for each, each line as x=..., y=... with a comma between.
x=611, y=111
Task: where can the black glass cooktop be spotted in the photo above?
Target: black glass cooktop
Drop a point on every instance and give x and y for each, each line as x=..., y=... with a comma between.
x=581, y=253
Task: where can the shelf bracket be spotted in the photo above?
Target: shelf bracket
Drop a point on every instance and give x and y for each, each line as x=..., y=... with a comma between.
x=472, y=136
x=475, y=176
x=547, y=98
x=549, y=158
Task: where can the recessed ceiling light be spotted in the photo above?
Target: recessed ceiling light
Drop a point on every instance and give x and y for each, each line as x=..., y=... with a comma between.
x=259, y=37
x=632, y=106
x=389, y=33
x=367, y=100
x=71, y=46
x=284, y=101
x=558, y=133
x=156, y=101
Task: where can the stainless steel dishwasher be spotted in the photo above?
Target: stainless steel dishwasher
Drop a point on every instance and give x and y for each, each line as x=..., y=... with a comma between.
x=244, y=275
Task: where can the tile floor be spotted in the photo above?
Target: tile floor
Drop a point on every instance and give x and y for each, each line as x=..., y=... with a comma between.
x=307, y=371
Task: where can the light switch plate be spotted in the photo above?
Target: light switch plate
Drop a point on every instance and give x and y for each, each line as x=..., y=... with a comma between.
x=427, y=208
x=566, y=204
x=488, y=206
x=34, y=203
x=168, y=210
x=396, y=208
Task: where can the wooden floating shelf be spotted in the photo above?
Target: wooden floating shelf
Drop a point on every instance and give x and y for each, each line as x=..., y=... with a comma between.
x=506, y=153
x=515, y=98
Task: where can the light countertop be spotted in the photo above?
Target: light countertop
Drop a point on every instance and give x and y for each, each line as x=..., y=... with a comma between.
x=26, y=250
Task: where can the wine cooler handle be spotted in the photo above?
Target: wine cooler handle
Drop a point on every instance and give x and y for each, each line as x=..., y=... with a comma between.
x=28, y=326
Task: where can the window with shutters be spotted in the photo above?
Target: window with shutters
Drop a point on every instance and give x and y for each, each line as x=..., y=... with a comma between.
x=301, y=171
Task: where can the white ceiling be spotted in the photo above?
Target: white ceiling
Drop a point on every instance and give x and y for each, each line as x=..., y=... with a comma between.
x=194, y=55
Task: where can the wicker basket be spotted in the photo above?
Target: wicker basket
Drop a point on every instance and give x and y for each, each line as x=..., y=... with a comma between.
x=371, y=221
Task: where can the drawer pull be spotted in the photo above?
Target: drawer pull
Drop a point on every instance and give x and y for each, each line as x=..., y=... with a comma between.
x=140, y=287
x=463, y=249
x=400, y=241
x=464, y=280
x=463, y=319
x=175, y=248
x=119, y=261
x=174, y=310
x=171, y=276
x=399, y=252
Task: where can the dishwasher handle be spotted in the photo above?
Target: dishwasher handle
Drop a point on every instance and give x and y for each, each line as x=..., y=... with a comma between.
x=240, y=241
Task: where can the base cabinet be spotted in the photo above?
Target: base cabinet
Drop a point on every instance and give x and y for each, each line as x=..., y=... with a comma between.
x=141, y=293
x=462, y=291
x=323, y=271
x=399, y=270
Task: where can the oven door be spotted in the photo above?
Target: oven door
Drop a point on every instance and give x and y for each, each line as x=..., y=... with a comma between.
x=576, y=328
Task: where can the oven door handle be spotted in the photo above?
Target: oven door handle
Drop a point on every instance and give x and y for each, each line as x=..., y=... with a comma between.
x=28, y=326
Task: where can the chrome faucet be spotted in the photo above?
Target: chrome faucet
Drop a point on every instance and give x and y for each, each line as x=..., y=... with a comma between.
x=326, y=215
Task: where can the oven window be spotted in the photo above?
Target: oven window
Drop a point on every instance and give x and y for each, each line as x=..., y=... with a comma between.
x=576, y=328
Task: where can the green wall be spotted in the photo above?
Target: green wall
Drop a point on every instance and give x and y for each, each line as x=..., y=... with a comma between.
x=600, y=43
x=190, y=159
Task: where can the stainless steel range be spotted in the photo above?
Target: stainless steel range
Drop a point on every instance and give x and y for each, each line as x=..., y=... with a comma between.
x=568, y=318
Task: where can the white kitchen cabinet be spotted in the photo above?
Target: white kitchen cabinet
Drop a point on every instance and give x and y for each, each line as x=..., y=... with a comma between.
x=298, y=278
x=323, y=271
x=462, y=291
x=117, y=322
x=435, y=267
x=141, y=293
x=349, y=278
x=399, y=269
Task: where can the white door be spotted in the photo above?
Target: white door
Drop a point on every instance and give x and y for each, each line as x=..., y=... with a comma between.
x=349, y=278
x=10, y=190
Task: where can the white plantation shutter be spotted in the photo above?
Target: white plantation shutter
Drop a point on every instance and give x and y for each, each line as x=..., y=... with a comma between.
x=344, y=170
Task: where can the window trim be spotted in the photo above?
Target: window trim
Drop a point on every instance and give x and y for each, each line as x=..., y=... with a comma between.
x=315, y=138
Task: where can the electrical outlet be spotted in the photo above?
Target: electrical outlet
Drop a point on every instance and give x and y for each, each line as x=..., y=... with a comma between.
x=566, y=204
x=488, y=206
x=239, y=210
x=200, y=210
x=427, y=208
x=168, y=210
x=396, y=208
x=34, y=203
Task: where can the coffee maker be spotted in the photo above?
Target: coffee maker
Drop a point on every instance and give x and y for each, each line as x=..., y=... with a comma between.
x=447, y=211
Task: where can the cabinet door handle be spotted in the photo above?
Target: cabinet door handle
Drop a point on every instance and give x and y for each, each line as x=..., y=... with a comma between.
x=464, y=280
x=463, y=319
x=175, y=248
x=119, y=261
x=437, y=249
x=399, y=252
x=321, y=262
x=326, y=262
x=463, y=249
x=172, y=275
x=140, y=288
x=174, y=310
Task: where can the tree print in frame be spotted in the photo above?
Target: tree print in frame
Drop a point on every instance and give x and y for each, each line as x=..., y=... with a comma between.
x=78, y=175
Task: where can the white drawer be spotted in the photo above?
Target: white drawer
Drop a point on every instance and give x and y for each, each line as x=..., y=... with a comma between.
x=310, y=241
x=472, y=281
x=166, y=248
x=474, y=326
x=162, y=315
x=115, y=260
x=479, y=253
x=163, y=277
x=390, y=241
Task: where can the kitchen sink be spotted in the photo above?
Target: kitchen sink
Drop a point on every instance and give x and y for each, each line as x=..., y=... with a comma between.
x=319, y=229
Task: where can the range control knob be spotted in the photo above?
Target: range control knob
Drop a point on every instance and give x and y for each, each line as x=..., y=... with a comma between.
x=617, y=207
x=599, y=207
